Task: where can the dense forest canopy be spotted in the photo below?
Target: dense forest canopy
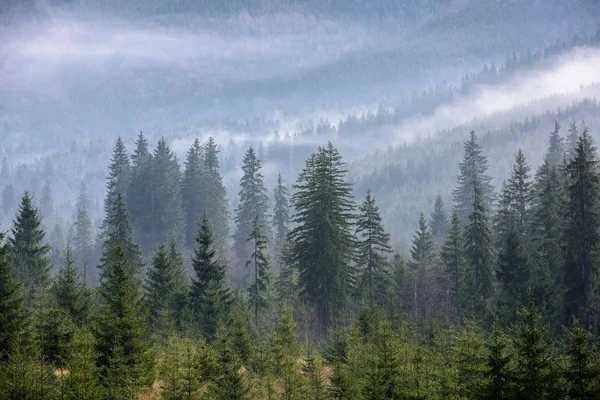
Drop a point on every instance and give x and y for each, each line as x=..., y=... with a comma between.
x=299, y=200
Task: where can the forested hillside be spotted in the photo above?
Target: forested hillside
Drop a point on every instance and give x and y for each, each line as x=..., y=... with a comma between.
x=299, y=200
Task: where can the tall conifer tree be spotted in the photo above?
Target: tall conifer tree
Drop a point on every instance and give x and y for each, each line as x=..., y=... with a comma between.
x=582, y=233
x=28, y=253
x=473, y=169
x=215, y=197
x=192, y=190
x=281, y=217
x=119, y=174
x=12, y=317
x=209, y=295
x=439, y=221
x=260, y=288
x=322, y=243
x=253, y=205
x=372, y=247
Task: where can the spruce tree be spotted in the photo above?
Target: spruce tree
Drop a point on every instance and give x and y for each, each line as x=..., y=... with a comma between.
x=473, y=170
x=118, y=178
x=453, y=260
x=82, y=380
x=423, y=259
x=215, y=197
x=469, y=359
x=230, y=382
x=83, y=240
x=478, y=255
x=253, y=205
x=12, y=316
x=547, y=221
x=513, y=273
x=166, y=213
x=164, y=288
x=286, y=351
x=313, y=370
x=140, y=189
x=582, y=371
x=582, y=233
x=210, y=297
x=121, y=332
x=281, y=217
x=191, y=190
x=383, y=379
x=28, y=254
x=46, y=205
x=118, y=233
x=372, y=247
x=259, y=291
x=322, y=243
x=519, y=187
x=439, y=221
x=534, y=359
x=69, y=292
x=499, y=367
x=571, y=145
x=556, y=151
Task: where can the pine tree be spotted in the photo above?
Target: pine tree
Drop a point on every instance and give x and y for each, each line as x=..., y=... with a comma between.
x=83, y=239
x=163, y=289
x=513, y=273
x=478, y=254
x=453, y=260
x=582, y=371
x=230, y=382
x=547, y=219
x=473, y=170
x=322, y=243
x=253, y=204
x=215, y=197
x=423, y=258
x=383, y=380
x=191, y=190
x=210, y=297
x=259, y=290
x=534, y=359
x=281, y=217
x=118, y=178
x=166, y=213
x=82, y=380
x=119, y=234
x=313, y=370
x=140, y=189
x=372, y=248
x=499, y=367
x=469, y=359
x=28, y=253
x=439, y=221
x=582, y=233
x=519, y=187
x=556, y=151
x=287, y=281
x=571, y=145
x=121, y=332
x=69, y=292
x=12, y=317
x=286, y=351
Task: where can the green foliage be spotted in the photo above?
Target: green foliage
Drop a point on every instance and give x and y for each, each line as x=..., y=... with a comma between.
x=453, y=260
x=121, y=331
x=582, y=370
x=253, y=206
x=166, y=288
x=259, y=291
x=119, y=175
x=499, y=367
x=479, y=255
x=80, y=376
x=281, y=217
x=582, y=233
x=210, y=298
x=473, y=170
x=322, y=243
x=372, y=247
x=12, y=316
x=28, y=252
x=439, y=221
x=423, y=260
x=69, y=291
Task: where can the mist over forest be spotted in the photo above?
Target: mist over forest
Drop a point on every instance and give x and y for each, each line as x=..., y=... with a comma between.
x=299, y=199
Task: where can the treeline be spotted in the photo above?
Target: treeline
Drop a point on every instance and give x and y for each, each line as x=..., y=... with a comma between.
x=495, y=301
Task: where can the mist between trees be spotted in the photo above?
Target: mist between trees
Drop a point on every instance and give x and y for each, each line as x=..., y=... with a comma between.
x=497, y=297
